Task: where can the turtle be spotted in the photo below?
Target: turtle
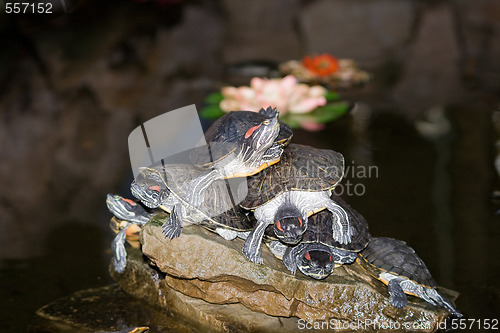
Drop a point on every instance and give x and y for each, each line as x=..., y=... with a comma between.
x=240, y=144
x=318, y=252
x=129, y=213
x=287, y=192
x=165, y=188
x=398, y=266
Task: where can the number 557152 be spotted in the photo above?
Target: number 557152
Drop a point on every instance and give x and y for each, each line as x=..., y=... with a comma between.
x=28, y=8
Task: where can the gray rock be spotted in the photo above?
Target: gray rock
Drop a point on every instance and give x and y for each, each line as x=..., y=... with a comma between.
x=201, y=267
x=144, y=282
x=107, y=310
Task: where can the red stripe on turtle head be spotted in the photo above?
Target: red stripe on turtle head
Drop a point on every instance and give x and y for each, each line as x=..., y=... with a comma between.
x=155, y=188
x=300, y=221
x=251, y=130
x=307, y=256
x=130, y=201
x=278, y=225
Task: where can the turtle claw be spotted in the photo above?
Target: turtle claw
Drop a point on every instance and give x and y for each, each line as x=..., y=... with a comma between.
x=252, y=247
x=252, y=255
x=398, y=297
x=343, y=238
x=399, y=301
x=119, y=264
x=256, y=259
x=173, y=226
x=171, y=231
x=119, y=252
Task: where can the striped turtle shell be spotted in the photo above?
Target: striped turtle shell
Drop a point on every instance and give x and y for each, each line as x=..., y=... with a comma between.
x=301, y=168
x=224, y=136
x=396, y=257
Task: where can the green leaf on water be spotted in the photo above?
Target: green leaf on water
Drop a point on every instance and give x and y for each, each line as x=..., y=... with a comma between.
x=211, y=112
x=292, y=120
x=214, y=98
x=332, y=96
x=330, y=112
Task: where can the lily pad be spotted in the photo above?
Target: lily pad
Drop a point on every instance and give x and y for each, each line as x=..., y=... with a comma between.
x=330, y=112
x=332, y=96
x=212, y=112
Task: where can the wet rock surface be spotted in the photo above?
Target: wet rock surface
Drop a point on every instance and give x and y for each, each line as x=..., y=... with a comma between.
x=105, y=309
x=200, y=269
x=144, y=282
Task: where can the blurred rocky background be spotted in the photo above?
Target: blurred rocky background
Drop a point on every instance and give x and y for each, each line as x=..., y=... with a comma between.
x=75, y=83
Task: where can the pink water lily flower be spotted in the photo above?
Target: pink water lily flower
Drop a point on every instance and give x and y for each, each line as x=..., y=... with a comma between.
x=286, y=94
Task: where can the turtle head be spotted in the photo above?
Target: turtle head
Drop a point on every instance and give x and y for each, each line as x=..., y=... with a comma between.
x=121, y=207
x=289, y=225
x=149, y=187
x=316, y=262
x=126, y=209
x=261, y=136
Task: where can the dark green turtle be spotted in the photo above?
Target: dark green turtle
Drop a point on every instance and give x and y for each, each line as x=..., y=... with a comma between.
x=166, y=188
x=129, y=214
x=240, y=144
x=288, y=192
x=398, y=266
x=318, y=252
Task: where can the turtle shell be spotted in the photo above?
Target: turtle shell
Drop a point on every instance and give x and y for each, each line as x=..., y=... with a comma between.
x=319, y=229
x=301, y=168
x=225, y=133
x=396, y=257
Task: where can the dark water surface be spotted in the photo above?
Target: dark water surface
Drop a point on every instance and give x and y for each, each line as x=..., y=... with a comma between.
x=434, y=194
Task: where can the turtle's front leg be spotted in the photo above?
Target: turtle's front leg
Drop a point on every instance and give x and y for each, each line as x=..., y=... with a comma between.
x=341, y=226
x=173, y=226
x=290, y=257
x=252, y=247
x=398, y=296
x=118, y=250
x=197, y=187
